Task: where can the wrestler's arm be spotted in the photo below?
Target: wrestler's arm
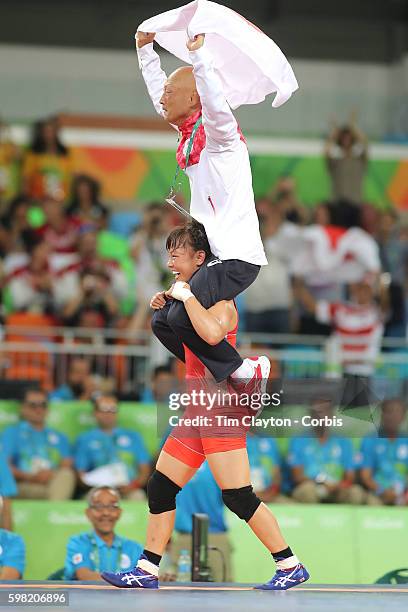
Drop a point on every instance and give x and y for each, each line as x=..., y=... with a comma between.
x=149, y=63
x=211, y=325
x=219, y=123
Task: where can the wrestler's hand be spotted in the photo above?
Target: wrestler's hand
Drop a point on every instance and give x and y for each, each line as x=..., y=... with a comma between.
x=180, y=291
x=195, y=43
x=158, y=300
x=144, y=38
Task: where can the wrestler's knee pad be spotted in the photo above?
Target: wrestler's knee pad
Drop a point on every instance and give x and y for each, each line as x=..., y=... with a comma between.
x=243, y=502
x=161, y=493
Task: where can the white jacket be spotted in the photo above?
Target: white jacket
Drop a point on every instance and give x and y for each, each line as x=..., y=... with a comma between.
x=222, y=197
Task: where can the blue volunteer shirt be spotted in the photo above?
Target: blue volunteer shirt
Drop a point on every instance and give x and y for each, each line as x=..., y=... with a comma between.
x=388, y=460
x=31, y=450
x=263, y=455
x=96, y=448
x=64, y=393
x=328, y=460
x=203, y=495
x=8, y=487
x=12, y=551
x=90, y=551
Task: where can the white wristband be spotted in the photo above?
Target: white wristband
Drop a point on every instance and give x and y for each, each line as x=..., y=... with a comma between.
x=179, y=292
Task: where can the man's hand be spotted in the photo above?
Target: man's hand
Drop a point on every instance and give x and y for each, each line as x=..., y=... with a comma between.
x=144, y=38
x=180, y=291
x=158, y=300
x=195, y=43
x=43, y=476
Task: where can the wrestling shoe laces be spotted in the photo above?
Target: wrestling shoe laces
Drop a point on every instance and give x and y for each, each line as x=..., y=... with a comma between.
x=286, y=579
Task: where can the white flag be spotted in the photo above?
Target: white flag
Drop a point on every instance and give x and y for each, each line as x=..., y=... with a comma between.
x=249, y=64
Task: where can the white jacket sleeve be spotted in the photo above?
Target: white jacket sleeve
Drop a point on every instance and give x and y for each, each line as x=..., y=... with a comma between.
x=154, y=76
x=219, y=123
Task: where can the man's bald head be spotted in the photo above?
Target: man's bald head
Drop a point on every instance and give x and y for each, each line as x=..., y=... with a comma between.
x=180, y=98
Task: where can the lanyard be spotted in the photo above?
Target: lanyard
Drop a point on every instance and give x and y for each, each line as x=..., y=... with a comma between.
x=170, y=198
x=96, y=557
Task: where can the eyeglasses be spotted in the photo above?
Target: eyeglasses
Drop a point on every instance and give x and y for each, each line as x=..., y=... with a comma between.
x=32, y=404
x=101, y=507
x=107, y=408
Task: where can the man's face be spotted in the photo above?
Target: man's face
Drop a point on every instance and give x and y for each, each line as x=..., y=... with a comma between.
x=179, y=99
x=78, y=374
x=34, y=408
x=184, y=261
x=106, y=412
x=162, y=385
x=104, y=512
x=362, y=293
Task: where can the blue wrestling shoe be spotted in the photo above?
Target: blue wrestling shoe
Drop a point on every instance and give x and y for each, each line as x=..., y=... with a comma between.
x=286, y=579
x=136, y=578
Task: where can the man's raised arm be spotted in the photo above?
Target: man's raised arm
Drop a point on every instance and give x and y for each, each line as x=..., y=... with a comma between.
x=149, y=63
x=219, y=123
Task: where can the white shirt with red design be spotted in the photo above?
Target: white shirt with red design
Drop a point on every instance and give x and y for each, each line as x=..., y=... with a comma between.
x=358, y=331
x=222, y=197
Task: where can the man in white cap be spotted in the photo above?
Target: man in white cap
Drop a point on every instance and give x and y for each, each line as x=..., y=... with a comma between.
x=213, y=152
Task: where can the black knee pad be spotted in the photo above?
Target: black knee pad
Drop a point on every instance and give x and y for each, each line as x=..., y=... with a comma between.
x=243, y=502
x=161, y=493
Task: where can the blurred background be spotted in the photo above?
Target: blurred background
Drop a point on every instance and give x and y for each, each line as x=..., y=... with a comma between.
x=85, y=165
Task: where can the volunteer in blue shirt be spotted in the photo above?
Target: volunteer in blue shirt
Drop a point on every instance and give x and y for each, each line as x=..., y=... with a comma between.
x=12, y=555
x=265, y=463
x=322, y=466
x=8, y=488
x=384, y=458
x=78, y=385
x=202, y=494
x=100, y=550
x=109, y=444
x=40, y=457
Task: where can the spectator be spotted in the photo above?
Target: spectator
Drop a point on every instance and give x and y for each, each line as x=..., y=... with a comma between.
x=268, y=300
x=101, y=550
x=47, y=166
x=163, y=382
x=39, y=456
x=86, y=207
x=8, y=488
x=384, y=458
x=94, y=305
x=201, y=494
x=10, y=156
x=322, y=466
x=266, y=476
x=60, y=232
x=358, y=330
x=394, y=262
x=110, y=445
x=30, y=286
x=148, y=248
x=346, y=156
x=12, y=553
x=13, y=224
x=79, y=385
x=89, y=259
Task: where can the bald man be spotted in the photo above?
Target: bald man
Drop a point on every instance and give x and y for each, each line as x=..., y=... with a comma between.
x=191, y=99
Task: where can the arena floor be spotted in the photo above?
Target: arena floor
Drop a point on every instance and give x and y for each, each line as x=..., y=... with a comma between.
x=90, y=596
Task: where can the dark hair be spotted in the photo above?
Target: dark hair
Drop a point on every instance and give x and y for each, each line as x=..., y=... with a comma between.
x=38, y=142
x=344, y=213
x=94, y=187
x=32, y=389
x=345, y=130
x=192, y=234
x=162, y=369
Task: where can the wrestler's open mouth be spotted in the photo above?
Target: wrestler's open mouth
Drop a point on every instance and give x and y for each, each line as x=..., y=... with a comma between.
x=176, y=274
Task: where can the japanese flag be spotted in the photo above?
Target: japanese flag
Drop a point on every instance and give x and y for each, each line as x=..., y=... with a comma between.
x=249, y=64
